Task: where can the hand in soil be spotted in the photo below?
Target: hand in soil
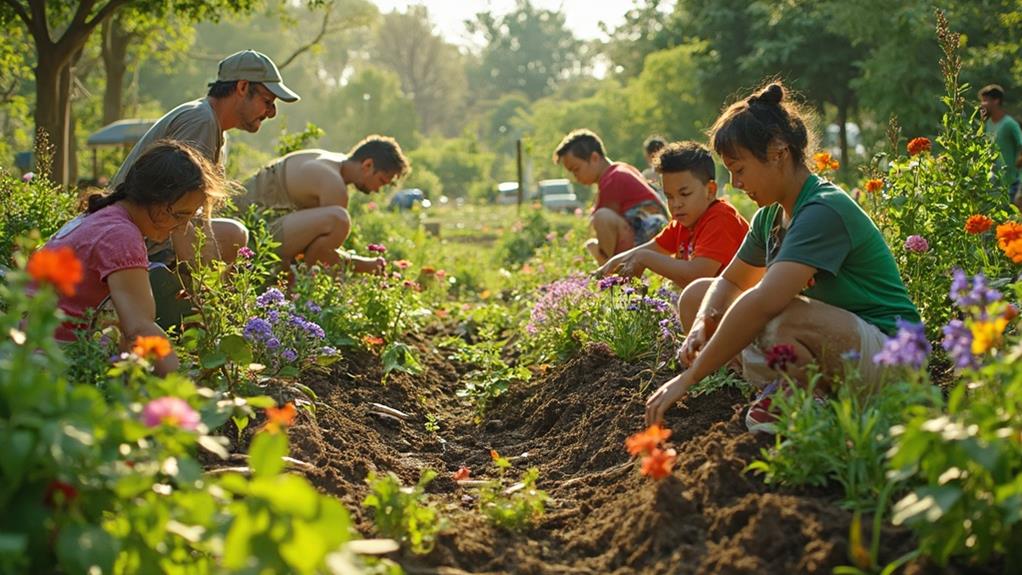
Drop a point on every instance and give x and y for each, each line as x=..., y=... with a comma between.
x=695, y=340
x=663, y=398
x=363, y=265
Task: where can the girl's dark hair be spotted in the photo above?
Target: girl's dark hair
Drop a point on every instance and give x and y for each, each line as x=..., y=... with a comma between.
x=162, y=175
x=763, y=118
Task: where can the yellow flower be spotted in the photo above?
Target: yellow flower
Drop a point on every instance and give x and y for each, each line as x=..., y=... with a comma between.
x=986, y=335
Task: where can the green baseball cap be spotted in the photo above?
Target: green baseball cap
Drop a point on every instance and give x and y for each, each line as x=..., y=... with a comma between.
x=255, y=67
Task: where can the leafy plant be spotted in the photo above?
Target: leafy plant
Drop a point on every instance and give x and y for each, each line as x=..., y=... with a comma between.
x=515, y=508
x=402, y=512
x=490, y=377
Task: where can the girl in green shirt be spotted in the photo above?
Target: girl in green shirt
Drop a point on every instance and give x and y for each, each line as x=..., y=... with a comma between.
x=813, y=275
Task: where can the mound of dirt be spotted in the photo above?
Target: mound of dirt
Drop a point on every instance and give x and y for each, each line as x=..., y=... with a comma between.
x=571, y=422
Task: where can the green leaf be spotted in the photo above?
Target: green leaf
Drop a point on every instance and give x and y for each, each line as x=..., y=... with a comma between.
x=82, y=547
x=212, y=360
x=265, y=456
x=237, y=349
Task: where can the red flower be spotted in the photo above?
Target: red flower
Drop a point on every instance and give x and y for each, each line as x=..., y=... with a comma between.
x=59, y=267
x=977, y=224
x=918, y=146
x=780, y=356
x=658, y=463
x=648, y=440
x=462, y=473
x=874, y=185
x=372, y=340
x=58, y=494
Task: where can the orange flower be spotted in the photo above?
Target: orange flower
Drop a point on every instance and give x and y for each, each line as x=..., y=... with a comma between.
x=59, y=267
x=278, y=418
x=494, y=455
x=647, y=441
x=299, y=257
x=146, y=345
x=658, y=463
x=918, y=146
x=874, y=185
x=1009, y=239
x=977, y=224
x=372, y=340
x=402, y=264
x=462, y=473
x=427, y=270
x=825, y=162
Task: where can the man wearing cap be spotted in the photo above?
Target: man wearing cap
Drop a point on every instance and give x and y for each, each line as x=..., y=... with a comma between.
x=243, y=95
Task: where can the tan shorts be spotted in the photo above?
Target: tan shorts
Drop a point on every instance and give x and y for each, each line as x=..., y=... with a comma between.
x=871, y=340
x=267, y=189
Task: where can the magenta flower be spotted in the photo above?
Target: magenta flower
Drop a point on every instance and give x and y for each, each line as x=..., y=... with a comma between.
x=917, y=244
x=27, y=177
x=172, y=411
x=246, y=252
x=377, y=248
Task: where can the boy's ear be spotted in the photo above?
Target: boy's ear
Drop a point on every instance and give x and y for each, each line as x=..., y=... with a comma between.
x=712, y=186
x=594, y=157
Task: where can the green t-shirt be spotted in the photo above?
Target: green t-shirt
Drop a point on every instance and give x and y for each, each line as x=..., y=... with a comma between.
x=830, y=232
x=1008, y=137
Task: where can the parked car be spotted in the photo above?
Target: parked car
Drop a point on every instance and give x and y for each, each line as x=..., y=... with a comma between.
x=507, y=193
x=405, y=199
x=558, y=195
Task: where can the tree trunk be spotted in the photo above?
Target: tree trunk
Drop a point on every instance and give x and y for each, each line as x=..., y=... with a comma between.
x=51, y=112
x=115, y=64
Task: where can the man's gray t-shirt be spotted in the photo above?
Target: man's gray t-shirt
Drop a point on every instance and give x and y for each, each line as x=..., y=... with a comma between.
x=194, y=123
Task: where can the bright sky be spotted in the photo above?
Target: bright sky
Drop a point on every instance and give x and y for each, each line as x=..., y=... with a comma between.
x=583, y=16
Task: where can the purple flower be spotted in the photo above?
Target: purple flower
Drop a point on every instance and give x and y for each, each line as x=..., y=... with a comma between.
x=978, y=295
x=557, y=300
x=257, y=329
x=851, y=355
x=289, y=355
x=917, y=244
x=668, y=327
x=273, y=316
x=270, y=297
x=908, y=347
x=958, y=343
x=246, y=252
x=658, y=305
x=611, y=281
x=327, y=350
x=313, y=307
x=272, y=343
x=27, y=177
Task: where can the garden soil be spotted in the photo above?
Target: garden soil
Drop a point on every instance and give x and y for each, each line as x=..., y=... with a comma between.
x=571, y=422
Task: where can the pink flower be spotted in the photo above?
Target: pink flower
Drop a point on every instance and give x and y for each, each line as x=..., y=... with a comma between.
x=27, y=177
x=917, y=244
x=172, y=411
x=371, y=206
x=246, y=252
x=376, y=248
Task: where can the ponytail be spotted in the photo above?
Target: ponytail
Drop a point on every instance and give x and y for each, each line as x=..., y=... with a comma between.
x=101, y=199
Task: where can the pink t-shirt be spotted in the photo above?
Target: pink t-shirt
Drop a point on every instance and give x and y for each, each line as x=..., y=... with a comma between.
x=622, y=187
x=106, y=241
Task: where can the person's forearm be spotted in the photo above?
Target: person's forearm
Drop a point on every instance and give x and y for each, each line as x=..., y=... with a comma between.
x=744, y=320
x=681, y=272
x=721, y=294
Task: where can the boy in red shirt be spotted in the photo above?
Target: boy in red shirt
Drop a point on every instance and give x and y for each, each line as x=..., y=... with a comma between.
x=627, y=212
x=704, y=233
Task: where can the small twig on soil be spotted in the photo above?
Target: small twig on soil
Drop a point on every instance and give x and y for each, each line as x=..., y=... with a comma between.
x=609, y=471
x=380, y=408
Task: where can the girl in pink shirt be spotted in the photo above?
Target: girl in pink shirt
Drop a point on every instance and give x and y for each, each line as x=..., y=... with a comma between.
x=162, y=192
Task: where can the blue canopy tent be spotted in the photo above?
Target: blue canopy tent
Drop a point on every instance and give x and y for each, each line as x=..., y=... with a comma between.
x=120, y=133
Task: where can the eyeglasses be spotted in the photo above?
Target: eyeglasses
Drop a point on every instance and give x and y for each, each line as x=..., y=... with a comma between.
x=179, y=216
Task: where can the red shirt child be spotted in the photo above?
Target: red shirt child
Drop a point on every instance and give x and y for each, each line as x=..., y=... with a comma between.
x=717, y=235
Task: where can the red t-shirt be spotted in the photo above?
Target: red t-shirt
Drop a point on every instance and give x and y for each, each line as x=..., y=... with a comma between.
x=621, y=187
x=105, y=242
x=717, y=235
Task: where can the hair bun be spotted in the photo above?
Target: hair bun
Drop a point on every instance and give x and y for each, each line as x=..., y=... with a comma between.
x=770, y=96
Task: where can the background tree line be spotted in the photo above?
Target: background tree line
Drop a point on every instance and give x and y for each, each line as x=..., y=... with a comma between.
x=71, y=67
